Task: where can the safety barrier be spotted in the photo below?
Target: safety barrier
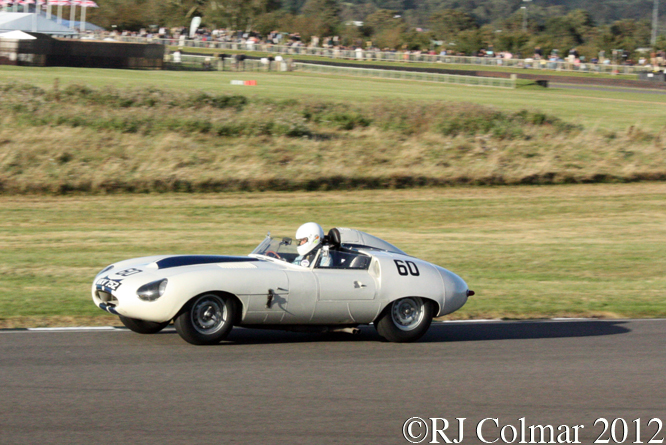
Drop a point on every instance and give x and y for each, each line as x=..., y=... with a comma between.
x=408, y=75
x=397, y=56
x=189, y=61
x=210, y=63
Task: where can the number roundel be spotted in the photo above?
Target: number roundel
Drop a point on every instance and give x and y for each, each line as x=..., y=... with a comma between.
x=407, y=268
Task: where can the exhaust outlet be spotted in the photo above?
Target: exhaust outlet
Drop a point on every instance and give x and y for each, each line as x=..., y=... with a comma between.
x=352, y=331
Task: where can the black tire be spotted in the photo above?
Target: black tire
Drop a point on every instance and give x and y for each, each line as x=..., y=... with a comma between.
x=207, y=319
x=142, y=326
x=405, y=320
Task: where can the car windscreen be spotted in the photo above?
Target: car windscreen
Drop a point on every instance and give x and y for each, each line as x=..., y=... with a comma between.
x=275, y=247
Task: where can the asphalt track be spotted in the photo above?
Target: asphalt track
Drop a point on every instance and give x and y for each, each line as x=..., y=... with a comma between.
x=109, y=387
x=605, y=88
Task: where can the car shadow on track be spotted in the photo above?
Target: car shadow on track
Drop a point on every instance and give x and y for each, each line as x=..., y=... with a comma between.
x=523, y=330
x=447, y=332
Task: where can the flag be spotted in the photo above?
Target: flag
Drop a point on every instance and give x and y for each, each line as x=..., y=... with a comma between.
x=89, y=4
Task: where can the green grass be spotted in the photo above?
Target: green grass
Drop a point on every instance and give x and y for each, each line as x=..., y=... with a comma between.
x=577, y=250
x=586, y=250
x=107, y=140
x=609, y=110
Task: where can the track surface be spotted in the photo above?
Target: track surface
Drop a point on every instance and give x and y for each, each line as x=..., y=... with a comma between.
x=260, y=387
x=605, y=88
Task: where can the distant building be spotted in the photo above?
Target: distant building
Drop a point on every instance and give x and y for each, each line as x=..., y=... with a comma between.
x=31, y=22
x=35, y=49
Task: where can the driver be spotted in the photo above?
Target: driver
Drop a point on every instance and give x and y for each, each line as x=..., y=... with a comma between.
x=308, y=238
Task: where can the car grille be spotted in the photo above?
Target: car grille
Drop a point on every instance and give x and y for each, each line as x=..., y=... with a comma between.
x=106, y=297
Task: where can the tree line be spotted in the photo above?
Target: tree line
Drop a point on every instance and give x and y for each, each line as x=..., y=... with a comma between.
x=459, y=26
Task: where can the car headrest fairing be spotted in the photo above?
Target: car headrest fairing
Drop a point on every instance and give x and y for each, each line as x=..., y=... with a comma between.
x=333, y=238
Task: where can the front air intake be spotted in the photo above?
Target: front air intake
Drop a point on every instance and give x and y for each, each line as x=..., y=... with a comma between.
x=106, y=297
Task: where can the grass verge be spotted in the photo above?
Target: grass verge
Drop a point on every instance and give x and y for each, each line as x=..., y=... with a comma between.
x=87, y=140
x=611, y=110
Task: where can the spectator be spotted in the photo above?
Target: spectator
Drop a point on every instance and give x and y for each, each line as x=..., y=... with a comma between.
x=538, y=53
x=552, y=61
x=571, y=59
x=240, y=61
x=595, y=64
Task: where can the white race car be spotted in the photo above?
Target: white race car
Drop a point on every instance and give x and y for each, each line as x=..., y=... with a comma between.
x=350, y=279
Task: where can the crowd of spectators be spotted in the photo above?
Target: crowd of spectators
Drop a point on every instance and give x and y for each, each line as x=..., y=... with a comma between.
x=332, y=47
x=575, y=61
x=251, y=40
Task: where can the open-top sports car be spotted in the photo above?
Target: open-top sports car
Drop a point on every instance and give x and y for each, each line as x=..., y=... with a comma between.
x=344, y=279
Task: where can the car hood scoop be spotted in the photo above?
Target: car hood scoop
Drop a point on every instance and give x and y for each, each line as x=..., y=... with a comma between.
x=191, y=260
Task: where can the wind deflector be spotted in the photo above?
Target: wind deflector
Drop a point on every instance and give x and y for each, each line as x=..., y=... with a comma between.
x=191, y=260
x=353, y=237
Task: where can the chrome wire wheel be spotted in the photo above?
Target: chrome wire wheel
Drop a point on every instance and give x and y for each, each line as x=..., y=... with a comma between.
x=207, y=319
x=209, y=314
x=407, y=313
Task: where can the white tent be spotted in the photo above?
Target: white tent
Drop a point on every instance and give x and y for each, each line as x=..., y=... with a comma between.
x=16, y=35
x=30, y=22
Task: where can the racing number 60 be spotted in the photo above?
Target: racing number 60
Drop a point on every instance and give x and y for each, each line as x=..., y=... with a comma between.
x=407, y=268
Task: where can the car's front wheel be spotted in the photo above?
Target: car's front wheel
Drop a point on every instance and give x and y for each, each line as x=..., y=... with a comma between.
x=142, y=326
x=405, y=320
x=206, y=319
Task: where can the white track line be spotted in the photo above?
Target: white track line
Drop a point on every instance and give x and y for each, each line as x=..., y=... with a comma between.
x=487, y=320
x=76, y=328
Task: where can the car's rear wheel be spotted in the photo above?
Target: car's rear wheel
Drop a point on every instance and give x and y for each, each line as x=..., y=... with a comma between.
x=142, y=326
x=206, y=319
x=405, y=320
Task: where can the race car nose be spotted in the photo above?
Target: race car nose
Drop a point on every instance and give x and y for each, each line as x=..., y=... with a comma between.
x=456, y=291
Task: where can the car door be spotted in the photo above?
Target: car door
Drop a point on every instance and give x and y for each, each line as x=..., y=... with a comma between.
x=302, y=296
x=346, y=290
x=343, y=275
x=267, y=296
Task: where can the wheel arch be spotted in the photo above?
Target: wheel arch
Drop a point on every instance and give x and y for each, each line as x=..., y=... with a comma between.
x=221, y=293
x=437, y=306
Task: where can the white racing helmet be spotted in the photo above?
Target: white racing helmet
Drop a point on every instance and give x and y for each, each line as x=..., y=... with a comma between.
x=309, y=236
